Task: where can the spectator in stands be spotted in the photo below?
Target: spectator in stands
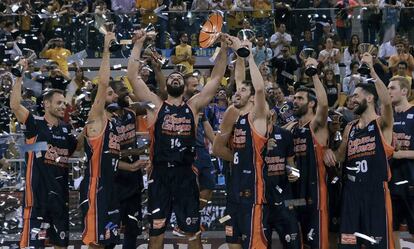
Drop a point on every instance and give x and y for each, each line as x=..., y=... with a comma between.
x=387, y=49
x=58, y=79
x=347, y=110
x=261, y=53
x=123, y=6
x=370, y=19
x=402, y=69
x=6, y=80
x=261, y=15
x=184, y=54
x=391, y=17
x=146, y=9
x=332, y=88
x=306, y=42
x=402, y=55
x=279, y=40
x=344, y=18
x=327, y=32
x=283, y=108
x=285, y=67
x=330, y=57
x=351, y=53
x=76, y=84
x=352, y=79
x=54, y=50
x=215, y=111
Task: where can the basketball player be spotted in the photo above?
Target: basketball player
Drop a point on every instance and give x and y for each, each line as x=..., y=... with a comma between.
x=128, y=179
x=99, y=200
x=280, y=153
x=46, y=193
x=310, y=136
x=246, y=122
x=402, y=165
x=366, y=204
x=173, y=183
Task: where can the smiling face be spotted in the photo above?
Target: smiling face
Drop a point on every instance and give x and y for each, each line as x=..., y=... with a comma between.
x=301, y=104
x=361, y=99
x=55, y=106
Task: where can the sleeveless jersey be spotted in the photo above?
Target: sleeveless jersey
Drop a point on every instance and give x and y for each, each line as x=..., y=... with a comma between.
x=403, y=169
x=278, y=187
x=47, y=170
x=311, y=184
x=128, y=183
x=366, y=156
x=247, y=171
x=173, y=136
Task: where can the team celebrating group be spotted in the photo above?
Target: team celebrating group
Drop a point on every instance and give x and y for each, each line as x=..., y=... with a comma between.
x=276, y=179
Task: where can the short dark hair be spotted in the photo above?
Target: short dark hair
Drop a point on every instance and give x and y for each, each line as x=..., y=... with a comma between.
x=369, y=88
x=353, y=63
x=48, y=95
x=310, y=95
x=250, y=85
x=188, y=76
x=403, y=63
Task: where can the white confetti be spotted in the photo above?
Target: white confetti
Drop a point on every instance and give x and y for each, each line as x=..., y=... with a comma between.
x=224, y=219
x=155, y=211
x=365, y=237
x=401, y=182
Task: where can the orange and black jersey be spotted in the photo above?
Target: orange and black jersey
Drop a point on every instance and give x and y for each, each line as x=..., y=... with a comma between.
x=309, y=160
x=367, y=154
x=128, y=183
x=173, y=136
x=403, y=169
x=278, y=187
x=246, y=183
x=47, y=170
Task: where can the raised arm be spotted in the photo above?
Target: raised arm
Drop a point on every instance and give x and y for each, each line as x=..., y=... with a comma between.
x=141, y=90
x=201, y=100
x=260, y=107
x=387, y=116
x=15, y=98
x=221, y=141
x=240, y=71
x=321, y=117
x=98, y=108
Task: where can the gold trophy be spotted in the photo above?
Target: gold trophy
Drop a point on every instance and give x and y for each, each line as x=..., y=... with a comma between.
x=363, y=48
x=106, y=28
x=245, y=35
x=151, y=52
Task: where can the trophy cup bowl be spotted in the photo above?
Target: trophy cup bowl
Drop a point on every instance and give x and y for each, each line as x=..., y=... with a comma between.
x=306, y=53
x=151, y=52
x=114, y=44
x=18, y=69
x=211, y=30
x=363, y=48
x=245, y=35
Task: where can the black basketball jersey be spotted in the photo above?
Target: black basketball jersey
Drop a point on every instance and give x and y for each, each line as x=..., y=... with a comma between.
x=173, y=136
x=128, y=183
x=102, y=154
x=247, y=170
x=47, y=170
x=403, y=169
x=309, y=160
x=278, y=187
x=367, y=154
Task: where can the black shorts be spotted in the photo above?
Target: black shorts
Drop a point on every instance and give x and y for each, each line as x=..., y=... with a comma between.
x=403, y=209
x=49, y=219
x=366, y=210
x=131, y=215
x=206, y=174
x=101, y=214
x=314, y=226
x=247, y=225
x=173, y=189
x=284, y=221
x=38, y=230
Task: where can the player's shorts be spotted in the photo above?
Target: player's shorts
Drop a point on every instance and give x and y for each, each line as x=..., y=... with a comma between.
x=173, y=189
x=101, y=214
x=314, y=226
x=206, y=174
x=47, y=223
x=284, y=221
x=247, y=225
x=131, y=215
x=403, y=209
x=366, y=210
x=43, y=231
